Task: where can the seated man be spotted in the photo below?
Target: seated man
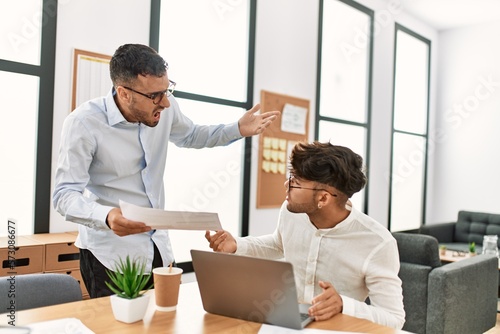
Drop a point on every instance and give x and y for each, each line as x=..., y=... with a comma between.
x=340, y=256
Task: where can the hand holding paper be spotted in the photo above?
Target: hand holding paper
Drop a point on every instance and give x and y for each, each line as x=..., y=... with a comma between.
x=171, y=220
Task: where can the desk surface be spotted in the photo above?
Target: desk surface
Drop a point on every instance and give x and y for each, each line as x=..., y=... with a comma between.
x=453, y=256
x=190, y=317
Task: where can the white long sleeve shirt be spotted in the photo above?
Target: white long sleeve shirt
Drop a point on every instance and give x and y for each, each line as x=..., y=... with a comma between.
x=103, y=158
x=358, y=256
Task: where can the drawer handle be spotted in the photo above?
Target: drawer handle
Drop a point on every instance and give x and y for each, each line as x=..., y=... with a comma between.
x=68, y=257
x=15, y=263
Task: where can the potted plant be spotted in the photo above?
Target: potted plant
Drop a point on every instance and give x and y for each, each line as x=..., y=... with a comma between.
x=442, y=250
x=472, y=248
x=128, y=282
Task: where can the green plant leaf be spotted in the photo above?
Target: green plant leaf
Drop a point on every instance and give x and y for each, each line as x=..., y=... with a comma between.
x=129, y=278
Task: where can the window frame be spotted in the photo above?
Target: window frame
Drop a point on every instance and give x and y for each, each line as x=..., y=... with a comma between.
x=318, y=116
x=399, y=27
x=154, y=41
x=46, y=73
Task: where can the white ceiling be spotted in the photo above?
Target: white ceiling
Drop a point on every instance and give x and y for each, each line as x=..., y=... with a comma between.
x=449, y=14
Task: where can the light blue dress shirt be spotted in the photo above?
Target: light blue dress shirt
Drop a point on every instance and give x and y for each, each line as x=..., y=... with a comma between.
x=104, y=159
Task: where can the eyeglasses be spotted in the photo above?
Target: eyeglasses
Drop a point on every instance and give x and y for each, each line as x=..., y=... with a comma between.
x=297, y=187
x=158, y=96
x=458, y=253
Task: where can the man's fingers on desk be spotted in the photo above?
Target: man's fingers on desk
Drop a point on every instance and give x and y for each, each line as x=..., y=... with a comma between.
x=326, y=304
x=322, y=312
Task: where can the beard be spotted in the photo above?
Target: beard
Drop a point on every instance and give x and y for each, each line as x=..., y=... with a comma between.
x=148, y=118
x=306, y=207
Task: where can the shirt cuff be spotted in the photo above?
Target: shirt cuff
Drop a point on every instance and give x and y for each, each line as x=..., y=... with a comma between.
x=347, y=305
x=233, y=132
x=99, y=217
x=241, y=246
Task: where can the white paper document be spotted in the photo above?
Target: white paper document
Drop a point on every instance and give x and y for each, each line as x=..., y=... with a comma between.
x=171, y=220
x=65, y=325
x=271, y=329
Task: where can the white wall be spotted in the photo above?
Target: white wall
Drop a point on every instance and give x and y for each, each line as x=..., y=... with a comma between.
x=467, y=158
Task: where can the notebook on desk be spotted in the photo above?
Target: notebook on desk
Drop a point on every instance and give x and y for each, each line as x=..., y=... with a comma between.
x=249, y=288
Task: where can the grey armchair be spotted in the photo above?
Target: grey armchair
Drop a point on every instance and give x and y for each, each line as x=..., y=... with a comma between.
x=37, y=290
x=459, y=297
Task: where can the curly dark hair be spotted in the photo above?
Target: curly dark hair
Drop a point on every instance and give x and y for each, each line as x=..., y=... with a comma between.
x=131, y=60
x=336, y=166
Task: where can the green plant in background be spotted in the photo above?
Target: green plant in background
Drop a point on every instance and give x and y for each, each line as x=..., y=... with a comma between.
x=129, y=278
x=472, y=247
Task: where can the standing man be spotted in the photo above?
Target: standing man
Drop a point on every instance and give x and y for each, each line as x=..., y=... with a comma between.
x=115, y=148
x=340, y=256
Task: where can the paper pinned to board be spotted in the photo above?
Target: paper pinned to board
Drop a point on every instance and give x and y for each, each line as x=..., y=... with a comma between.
x=293, y=119
x=171, y=220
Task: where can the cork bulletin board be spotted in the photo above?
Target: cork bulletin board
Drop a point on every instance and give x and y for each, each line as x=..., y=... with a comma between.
x=276, y=143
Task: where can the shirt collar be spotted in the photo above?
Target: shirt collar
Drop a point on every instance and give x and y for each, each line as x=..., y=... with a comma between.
x=114, y=114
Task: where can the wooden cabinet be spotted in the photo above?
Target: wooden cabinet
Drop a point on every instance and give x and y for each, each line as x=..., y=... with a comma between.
x=44, y=253
x=60, y=251
x=26, y=256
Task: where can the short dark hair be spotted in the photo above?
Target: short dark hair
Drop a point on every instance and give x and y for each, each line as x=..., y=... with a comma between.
x=336, y=166
x=131, y=60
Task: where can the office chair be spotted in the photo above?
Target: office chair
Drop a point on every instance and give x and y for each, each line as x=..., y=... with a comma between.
x=37, y=290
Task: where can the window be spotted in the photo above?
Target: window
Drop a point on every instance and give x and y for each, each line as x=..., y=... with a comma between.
x=344, y=78
x=17, y=172
x=21, y=36
x=410, y=126
x=213, y=68
x=27, y=58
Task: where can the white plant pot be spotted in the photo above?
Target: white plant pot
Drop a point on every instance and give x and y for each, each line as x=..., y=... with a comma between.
x=129, y=310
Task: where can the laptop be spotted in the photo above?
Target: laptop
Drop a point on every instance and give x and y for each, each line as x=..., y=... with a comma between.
x=249, y=288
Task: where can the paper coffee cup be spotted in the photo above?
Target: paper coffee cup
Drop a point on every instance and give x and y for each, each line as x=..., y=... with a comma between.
x=166, y=284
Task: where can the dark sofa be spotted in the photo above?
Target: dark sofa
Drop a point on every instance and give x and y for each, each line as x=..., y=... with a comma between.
x=445, y=299
x=469, y=227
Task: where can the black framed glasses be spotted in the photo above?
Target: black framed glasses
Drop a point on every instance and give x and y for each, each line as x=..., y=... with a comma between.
x=298, y=187
x=158, y=96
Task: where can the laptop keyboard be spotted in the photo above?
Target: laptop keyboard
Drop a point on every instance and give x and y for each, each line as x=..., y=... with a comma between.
x=304, y=316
